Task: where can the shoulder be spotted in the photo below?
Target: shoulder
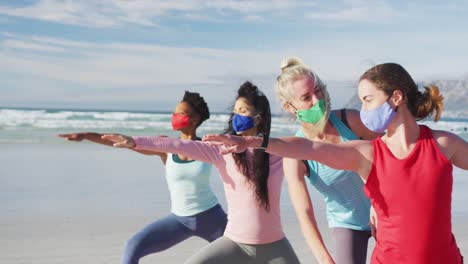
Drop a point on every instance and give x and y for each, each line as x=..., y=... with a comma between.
x=446, y=138
x=449, y=143
x=337, y=112
x=354, y=119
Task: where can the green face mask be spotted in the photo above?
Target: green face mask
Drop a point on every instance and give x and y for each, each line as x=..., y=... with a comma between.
x=314, y=114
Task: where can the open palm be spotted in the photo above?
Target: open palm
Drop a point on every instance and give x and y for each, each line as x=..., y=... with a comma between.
x=120, y=141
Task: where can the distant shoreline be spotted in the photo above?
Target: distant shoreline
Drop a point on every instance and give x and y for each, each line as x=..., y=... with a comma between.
x=143, y=111
x=106, y=110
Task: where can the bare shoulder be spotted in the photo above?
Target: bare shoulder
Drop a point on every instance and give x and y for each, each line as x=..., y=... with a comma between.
x=451, y=146
x=353, y=117
x=446, y=138
x=337, y=112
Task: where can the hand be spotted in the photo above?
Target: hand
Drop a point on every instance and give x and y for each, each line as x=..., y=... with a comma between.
x=230, y=143
x=373, y=222
x=73, y=136
x=120, y=141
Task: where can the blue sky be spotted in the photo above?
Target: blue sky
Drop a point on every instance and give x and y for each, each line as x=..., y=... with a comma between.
x=144, y=54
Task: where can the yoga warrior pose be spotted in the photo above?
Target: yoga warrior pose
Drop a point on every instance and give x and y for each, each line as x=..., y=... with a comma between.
x=194, y=207
x=252, y=185
x=408, y=171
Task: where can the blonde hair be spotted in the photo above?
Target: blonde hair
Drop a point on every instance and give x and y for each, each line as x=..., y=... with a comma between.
x=293, y=69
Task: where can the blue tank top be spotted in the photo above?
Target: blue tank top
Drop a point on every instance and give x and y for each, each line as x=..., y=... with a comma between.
x=189, y=186
x=346, y=204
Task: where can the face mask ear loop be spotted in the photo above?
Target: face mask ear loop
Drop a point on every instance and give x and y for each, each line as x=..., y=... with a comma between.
x=295, y=109
x=396, y=107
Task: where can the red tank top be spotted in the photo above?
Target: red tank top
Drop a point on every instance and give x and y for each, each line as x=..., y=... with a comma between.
x=412, y=198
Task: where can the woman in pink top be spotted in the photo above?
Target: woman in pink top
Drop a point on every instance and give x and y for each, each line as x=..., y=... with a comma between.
x=194, y=207
x=408, y=171
x=252, y=185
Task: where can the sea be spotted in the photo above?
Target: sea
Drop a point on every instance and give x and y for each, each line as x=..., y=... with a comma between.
x=28, y=125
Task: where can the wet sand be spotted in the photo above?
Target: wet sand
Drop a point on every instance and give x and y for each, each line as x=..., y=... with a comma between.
x=72, y=203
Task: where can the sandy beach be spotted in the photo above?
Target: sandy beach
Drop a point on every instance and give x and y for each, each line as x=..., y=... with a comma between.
x=125, y=66
x=66, y=202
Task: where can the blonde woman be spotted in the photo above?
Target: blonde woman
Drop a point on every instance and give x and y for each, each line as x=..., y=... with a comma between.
x=303, y=95
x=408, y=171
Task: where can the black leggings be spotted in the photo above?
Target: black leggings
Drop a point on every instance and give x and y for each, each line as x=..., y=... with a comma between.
x=350, y=245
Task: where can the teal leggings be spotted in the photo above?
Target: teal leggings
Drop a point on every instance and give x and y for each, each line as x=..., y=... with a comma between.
x=225, y=251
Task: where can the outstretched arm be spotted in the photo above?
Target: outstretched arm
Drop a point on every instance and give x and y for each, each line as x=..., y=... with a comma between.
x=355, y=155
x=294, y=171
x=91, y=136
x=196, y=150
x=97, y=138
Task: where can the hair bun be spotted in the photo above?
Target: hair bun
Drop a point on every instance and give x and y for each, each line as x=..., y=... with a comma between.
x=198, y=104
x=248, y=88
x=290, y=62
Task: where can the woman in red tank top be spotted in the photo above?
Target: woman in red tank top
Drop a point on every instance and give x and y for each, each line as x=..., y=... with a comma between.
x=408, y=171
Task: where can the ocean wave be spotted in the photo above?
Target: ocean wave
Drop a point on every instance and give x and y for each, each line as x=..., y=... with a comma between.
x=14, y=120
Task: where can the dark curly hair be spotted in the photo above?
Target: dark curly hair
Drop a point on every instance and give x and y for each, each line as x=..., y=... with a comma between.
x=198, y=105
x=256, y=171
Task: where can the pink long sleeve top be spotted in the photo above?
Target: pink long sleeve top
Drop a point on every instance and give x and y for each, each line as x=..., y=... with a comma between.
x=248, y=221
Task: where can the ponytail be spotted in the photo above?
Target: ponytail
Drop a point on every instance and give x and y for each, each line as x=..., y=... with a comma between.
x=428, y=102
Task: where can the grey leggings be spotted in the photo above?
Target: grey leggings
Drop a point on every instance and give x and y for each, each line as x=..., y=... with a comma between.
x=173, y=229
x=350, y=245
x=225, y=251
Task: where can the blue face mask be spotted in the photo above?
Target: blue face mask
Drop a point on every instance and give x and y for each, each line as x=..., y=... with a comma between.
x=377, y=120
x=242, y=123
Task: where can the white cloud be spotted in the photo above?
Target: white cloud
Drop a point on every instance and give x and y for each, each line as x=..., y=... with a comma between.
x=126, y=64
x=111, y=13
x=115, y=13
x=120, y=64
x=86, y=13
x=372, y=12
x=19, y=44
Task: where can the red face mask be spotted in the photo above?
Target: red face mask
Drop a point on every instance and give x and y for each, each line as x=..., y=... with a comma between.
x=180, y=121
